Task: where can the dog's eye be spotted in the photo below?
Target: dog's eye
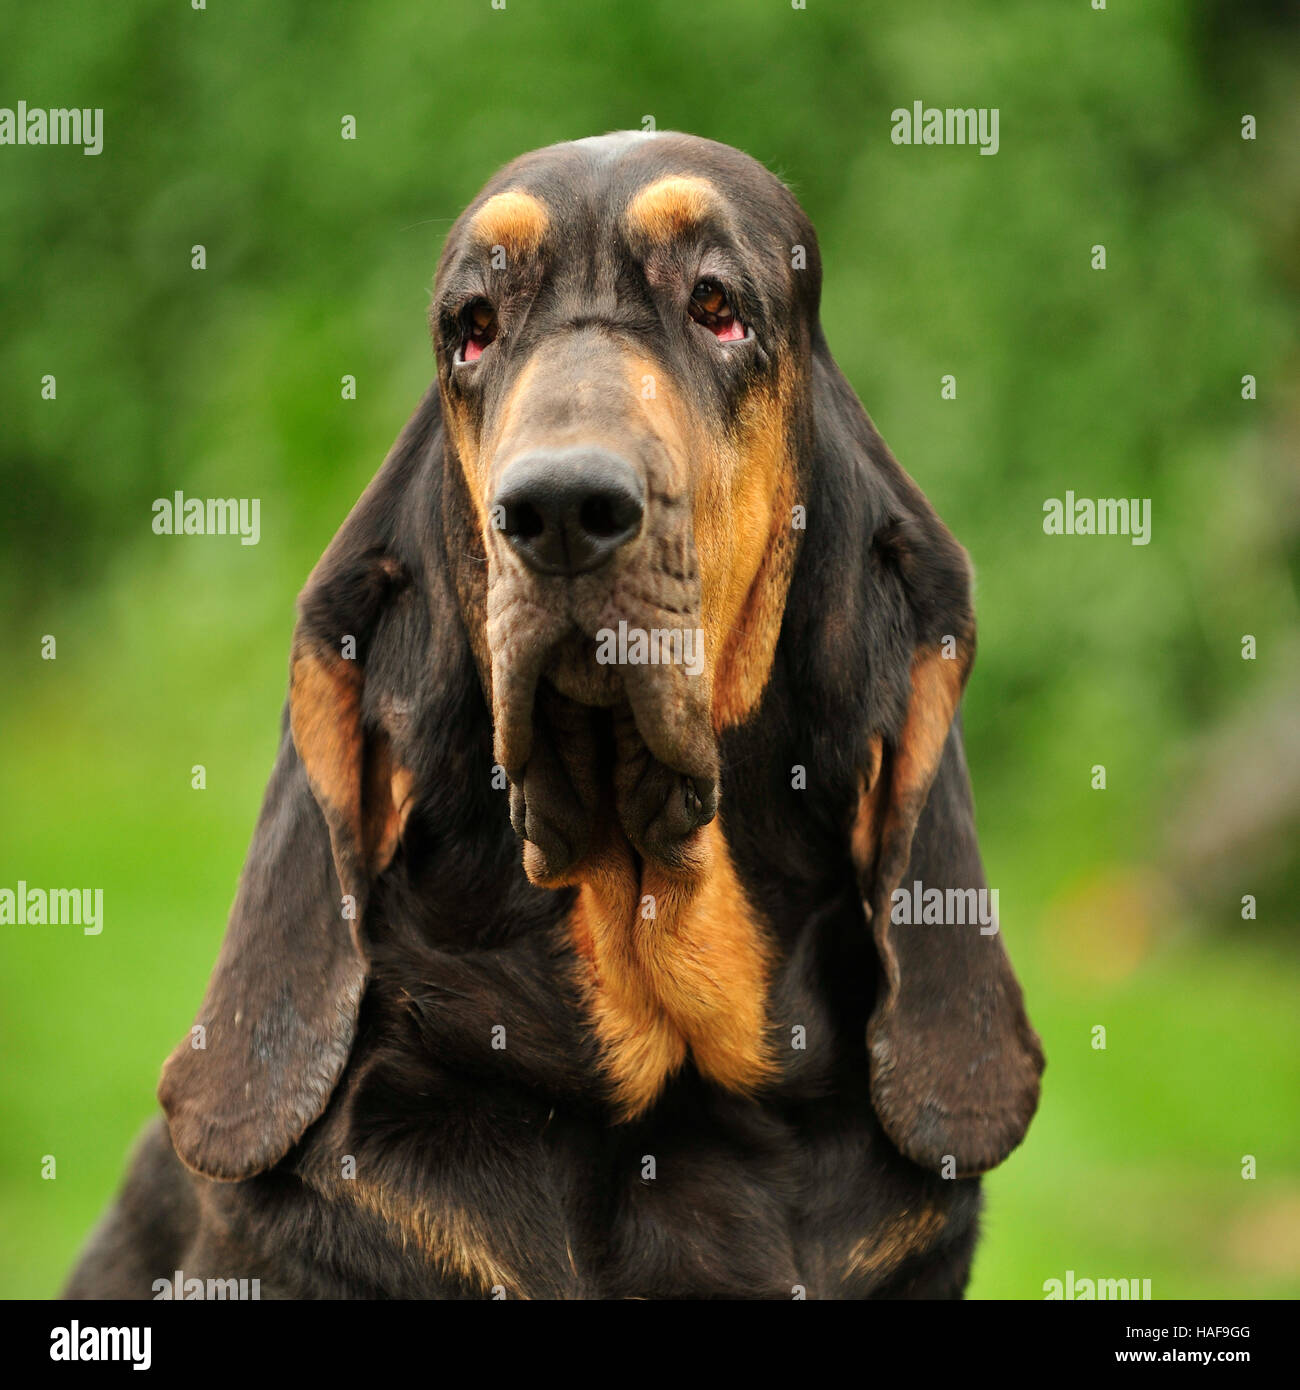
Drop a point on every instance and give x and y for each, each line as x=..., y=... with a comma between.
x=478, y=323
x=711, y=309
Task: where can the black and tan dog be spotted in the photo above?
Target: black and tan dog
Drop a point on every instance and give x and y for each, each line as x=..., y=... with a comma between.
x=641, y=589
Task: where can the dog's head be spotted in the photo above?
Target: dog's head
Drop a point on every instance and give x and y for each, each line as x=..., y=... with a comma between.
x=623, y=329
x=639, y=499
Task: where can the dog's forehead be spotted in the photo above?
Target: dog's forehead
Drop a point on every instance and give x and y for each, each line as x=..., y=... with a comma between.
x=633, y=181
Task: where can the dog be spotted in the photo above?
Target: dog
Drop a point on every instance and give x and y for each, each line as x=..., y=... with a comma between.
x=567, y=960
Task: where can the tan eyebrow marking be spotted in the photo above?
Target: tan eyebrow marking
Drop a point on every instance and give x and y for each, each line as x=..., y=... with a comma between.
x=666, y=208
x=514, y=219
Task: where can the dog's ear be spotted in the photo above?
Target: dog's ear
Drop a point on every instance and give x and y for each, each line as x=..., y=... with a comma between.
x=954, y=1061
x=955, y=1064
x=277, y=1023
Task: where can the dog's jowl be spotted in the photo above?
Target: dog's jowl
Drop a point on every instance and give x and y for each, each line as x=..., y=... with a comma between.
x=564, y=963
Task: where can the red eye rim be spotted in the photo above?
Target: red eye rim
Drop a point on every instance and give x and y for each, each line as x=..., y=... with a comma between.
x=478, y=328
x=710, y=307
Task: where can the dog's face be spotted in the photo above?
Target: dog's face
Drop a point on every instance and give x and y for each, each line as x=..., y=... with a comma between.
x=622, y=331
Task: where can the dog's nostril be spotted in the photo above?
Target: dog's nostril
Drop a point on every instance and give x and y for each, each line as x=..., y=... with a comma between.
x=597, y=516
x=523, y=522
x=568, y=511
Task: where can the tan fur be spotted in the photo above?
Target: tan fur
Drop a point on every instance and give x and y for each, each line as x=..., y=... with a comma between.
x=866, y=824
x=325, y=717
x=884, y=1251
x=514, y=219
x=470, y=457
x=692, y=977
x=364, y=792
x=670, y=206
x=387, y=807
x=743, y=503
x=447, y=1236
x=936, y=691
x=751, y=525
x=476, y=462
x=889, y=805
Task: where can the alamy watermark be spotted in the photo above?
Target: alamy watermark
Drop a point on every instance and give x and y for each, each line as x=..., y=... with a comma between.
x=945, y=907
x=55, y=907
x=194, y=1290
x=1101, y=1290
x=61, y=125
x=179, y=515
x=952, y=125
x=1104, y=516
x=77, y=1343
x=656, y=646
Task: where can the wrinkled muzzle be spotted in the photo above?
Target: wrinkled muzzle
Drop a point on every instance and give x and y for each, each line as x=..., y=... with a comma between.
x=601, y=668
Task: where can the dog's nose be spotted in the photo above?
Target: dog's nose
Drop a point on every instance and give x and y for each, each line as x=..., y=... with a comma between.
x=566, y=511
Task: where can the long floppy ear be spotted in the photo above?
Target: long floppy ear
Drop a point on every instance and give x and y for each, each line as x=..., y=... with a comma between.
x=277, y=1023
x=954, y=1061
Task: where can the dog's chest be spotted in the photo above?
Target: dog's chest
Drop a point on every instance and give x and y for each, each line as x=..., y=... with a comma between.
x=501, y=1172
x=711, y=1199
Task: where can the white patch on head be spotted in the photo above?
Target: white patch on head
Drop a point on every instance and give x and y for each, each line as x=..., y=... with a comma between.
x=618, y=140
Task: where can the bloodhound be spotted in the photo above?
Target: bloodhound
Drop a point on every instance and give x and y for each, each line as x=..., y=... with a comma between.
x=567, y=959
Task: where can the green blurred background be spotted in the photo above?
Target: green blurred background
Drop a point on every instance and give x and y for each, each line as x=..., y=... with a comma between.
x=1121, y=907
